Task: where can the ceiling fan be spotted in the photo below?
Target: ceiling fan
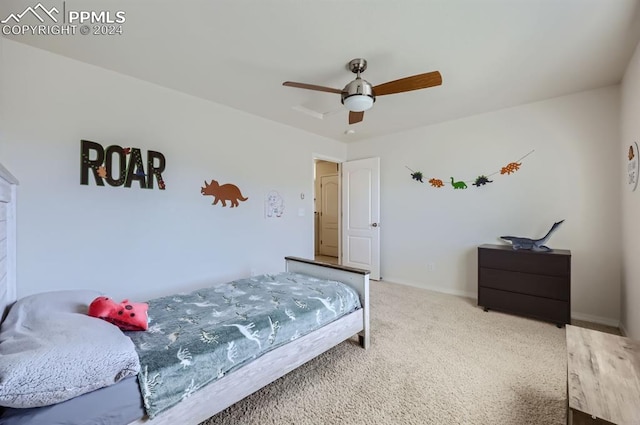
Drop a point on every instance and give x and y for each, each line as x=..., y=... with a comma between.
x=359, y=95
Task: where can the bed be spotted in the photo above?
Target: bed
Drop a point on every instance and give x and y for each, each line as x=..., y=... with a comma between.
x=239, y=381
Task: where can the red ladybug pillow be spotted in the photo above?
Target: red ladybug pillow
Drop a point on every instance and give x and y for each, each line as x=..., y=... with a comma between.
x=127, y=316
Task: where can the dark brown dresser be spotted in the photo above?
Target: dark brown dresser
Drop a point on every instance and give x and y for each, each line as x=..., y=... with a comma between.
x=528, y=283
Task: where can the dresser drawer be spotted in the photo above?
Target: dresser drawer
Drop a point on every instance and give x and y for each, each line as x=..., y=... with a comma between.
x=527, y=305
x=546, y=263
x=554, y=287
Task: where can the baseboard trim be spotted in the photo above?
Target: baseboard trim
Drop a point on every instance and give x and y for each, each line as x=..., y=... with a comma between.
x=595, y=319
x=623, y=330
x=434, y=288
x=574, y=314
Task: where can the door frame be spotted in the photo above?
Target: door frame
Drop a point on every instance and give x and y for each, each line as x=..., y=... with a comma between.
x=322, y=218
x=339, y=161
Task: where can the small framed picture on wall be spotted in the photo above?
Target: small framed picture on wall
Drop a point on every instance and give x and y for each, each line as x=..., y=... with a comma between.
x=632, y=166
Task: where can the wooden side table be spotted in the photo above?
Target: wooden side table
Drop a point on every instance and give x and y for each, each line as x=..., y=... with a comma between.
x=603, y=378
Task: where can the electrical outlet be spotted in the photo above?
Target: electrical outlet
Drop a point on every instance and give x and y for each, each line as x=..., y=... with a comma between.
x=431, y=267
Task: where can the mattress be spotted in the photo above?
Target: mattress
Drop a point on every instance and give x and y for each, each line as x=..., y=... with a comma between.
x=117, y=404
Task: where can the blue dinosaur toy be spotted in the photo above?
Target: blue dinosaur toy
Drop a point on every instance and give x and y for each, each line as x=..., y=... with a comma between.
x=532, y=244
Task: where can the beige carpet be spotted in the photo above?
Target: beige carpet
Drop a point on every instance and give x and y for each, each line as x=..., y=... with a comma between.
x=434, y=359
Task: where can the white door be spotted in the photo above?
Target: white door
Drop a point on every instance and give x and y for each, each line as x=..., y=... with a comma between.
x=329, y=215
x=361, y=215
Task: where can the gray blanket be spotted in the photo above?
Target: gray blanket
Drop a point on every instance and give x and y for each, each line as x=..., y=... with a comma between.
x=194, y=339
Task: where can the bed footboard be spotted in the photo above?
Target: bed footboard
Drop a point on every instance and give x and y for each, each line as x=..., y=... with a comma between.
x=358, y=279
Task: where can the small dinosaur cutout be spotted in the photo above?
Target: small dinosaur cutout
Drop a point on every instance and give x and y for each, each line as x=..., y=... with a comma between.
x=511, y=168
x=458, y=185
x=481, y=181
x=436, y=182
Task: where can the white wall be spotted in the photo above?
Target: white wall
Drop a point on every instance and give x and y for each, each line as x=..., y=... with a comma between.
x=142, y=243
x=132, y=242
x=630, y=124
x=429, y=236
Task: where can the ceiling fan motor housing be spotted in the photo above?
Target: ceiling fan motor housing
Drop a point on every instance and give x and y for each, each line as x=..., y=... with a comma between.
x=358, y=90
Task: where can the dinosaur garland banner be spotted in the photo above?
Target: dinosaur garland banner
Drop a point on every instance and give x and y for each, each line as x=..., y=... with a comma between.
x=481, y=180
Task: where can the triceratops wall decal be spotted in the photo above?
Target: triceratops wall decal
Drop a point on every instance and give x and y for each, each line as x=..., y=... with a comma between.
x=224, y=193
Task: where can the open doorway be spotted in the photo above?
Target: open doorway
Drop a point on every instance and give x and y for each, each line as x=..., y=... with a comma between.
x=347, y=212
x=327, y=211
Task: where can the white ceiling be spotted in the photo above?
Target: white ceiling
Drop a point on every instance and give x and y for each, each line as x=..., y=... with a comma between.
x=491, y=53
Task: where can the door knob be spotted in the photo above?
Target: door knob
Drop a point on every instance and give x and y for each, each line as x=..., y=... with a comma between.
x=374, y=224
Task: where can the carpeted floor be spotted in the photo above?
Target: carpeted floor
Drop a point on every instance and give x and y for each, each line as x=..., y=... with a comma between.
x=434, y=359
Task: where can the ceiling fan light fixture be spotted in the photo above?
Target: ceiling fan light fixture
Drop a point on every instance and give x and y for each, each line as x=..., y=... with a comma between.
x=357, y=96
x=358, y=102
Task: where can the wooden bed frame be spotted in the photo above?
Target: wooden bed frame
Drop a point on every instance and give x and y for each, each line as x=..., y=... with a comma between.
x=238, y=384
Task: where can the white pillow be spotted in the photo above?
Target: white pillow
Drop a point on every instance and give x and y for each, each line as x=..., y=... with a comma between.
x=51, y=351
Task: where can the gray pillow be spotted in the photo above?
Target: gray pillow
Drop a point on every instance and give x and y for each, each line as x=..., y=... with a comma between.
x=51, y=351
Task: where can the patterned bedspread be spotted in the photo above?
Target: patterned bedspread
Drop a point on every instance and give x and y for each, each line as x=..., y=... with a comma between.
x=194, y=339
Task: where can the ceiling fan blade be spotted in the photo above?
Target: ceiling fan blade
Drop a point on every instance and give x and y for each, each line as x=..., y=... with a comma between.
x=355, y=117
x=311, y=87
x=415, y=82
